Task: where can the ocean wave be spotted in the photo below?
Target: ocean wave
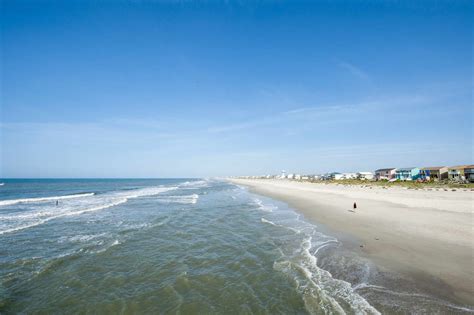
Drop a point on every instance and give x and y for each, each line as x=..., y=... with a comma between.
x=17, y=222
x=80, y=238
x=194, y=184
x=42, y=199
x=264, y=207
x=42, y=221
x=105, y=248
x=280, y=225
x=320, y=291
x=187, y=199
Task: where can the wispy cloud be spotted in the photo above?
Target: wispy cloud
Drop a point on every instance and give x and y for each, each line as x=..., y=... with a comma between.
x=326, y=114
x=325, y=109
x=354, y=70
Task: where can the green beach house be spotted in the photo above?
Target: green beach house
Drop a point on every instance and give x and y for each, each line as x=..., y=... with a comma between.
x=407, y=173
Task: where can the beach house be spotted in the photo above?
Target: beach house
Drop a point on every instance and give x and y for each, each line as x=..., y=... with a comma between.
x=434, y=173
x=461, y=172
x=332, y=176
x=469, y=173
x=407, y=173
x=365, y=175
x=349, y=175
x=385, y=173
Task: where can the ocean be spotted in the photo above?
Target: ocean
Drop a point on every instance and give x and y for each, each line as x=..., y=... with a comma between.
x=187, y=246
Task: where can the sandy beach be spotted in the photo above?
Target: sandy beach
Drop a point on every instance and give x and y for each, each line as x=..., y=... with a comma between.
x=426, y=234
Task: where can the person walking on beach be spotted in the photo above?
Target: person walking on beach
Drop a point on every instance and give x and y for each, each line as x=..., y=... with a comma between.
x=57, y=202
x=355, y=206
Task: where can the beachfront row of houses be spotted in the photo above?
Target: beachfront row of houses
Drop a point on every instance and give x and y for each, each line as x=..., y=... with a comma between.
x=459, y=173
x=432, y=173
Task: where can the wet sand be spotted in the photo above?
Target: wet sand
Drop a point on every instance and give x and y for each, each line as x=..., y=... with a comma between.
x=424, y=235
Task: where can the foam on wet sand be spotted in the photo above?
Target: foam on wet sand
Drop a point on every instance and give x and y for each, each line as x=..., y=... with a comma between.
x=426, y=235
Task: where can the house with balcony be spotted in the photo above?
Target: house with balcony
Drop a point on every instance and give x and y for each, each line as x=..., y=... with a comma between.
x=349, y=175
x=407, y=173
x=332, y=176
x=469, y=173
x=385, y=173
x=434, y=173
x=365, y=175
x=461, y=173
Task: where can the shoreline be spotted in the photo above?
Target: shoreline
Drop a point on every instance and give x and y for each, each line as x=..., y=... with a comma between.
x=423, y=235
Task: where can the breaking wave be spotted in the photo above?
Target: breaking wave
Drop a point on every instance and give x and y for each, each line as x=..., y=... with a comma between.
x=38, y=213
x=187, y=199
x=42, y=199
x=320, y=292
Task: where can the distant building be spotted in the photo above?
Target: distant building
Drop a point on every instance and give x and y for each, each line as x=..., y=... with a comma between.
x=332, y=176
x=283, y=174
x=434, y=173
x=297, y=176
x=385, y=173
x=290, y=176
x=469, y=173
x=461, y=172
x=365, y=175
x=349, y=175
x=407, y=173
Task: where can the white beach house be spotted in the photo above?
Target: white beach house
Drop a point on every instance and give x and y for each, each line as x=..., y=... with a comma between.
x=349, y=175
x=385, y=173
x=365, y=175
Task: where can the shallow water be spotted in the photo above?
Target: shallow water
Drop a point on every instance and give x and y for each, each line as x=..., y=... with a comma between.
x=187, y=246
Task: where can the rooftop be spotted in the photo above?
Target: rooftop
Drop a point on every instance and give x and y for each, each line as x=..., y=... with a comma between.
x=433, y=168
x=385, y=169
x=459, y=167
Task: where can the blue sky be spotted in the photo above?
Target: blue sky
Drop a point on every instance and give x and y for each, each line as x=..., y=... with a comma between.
x=190, y=89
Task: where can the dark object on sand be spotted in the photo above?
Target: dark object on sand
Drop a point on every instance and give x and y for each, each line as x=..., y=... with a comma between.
x=355, y=206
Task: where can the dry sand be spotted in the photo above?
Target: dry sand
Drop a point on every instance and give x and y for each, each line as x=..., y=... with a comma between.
x=425, y=234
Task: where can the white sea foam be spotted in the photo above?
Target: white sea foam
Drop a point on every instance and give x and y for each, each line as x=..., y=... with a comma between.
x=194, y=184
x=80, y=238
x=105, y=248
x=64, y=214
x=265, y=207
x=42, y=199
x=280, y=225
x=186, y=199
x=321, y=292
x=316, y=285
x=72, y=205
